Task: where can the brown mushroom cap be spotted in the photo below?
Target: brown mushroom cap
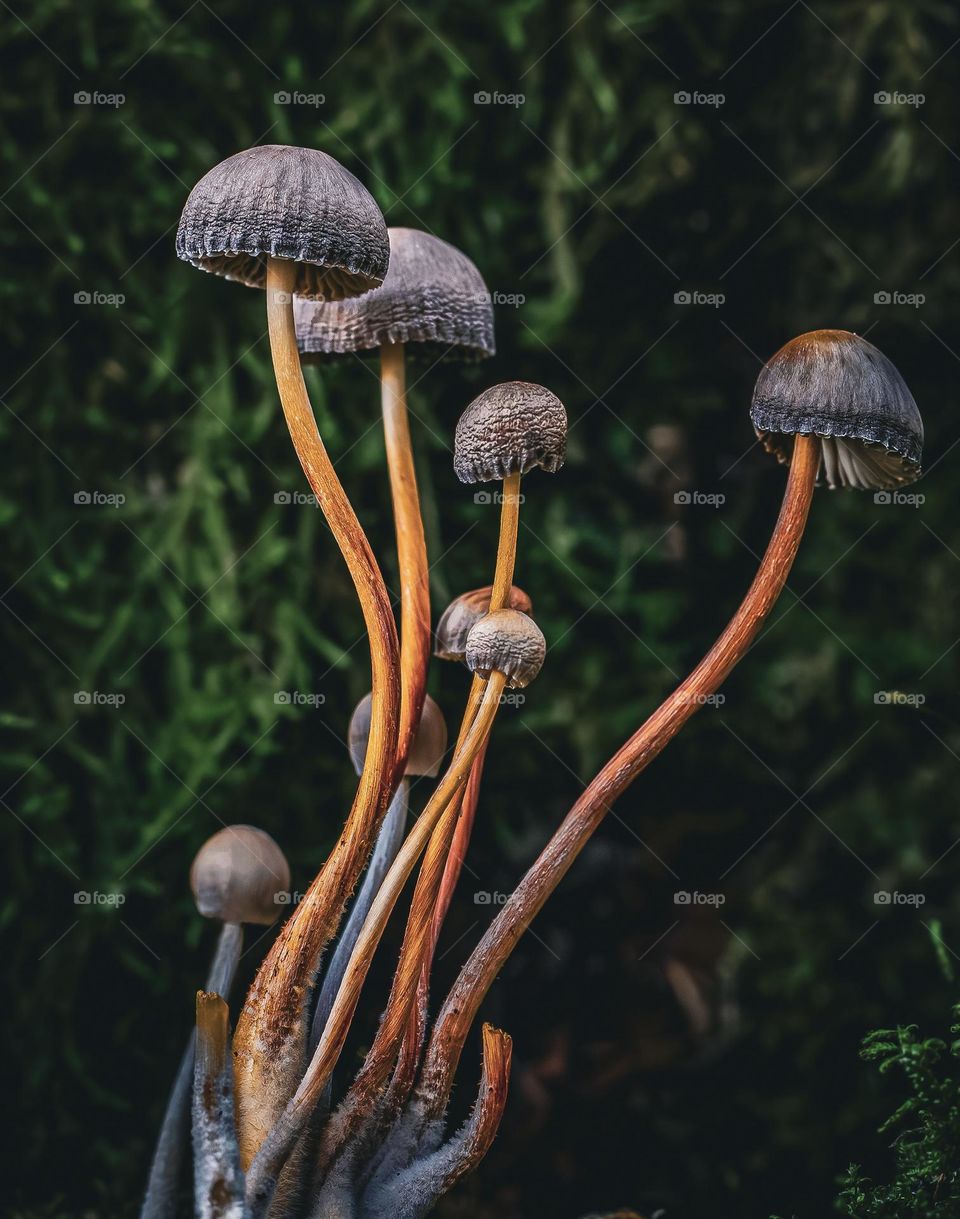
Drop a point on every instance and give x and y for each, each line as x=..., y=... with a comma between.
x=275, y=201
x=429, y=746
x=510, y=428
x=457, y=620
x=433, y=299
x=237, y=875
x=508, y=642
x=836, y=385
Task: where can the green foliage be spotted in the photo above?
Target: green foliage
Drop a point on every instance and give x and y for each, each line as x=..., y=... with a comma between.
x=927, y=1124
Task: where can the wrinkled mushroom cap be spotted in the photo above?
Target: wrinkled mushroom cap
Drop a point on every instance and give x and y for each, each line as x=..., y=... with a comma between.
x=429, y=745
x=237, y=875
x=463, y=612
x=508, y=642
x=281, y=202
x=433, y=298
x=510, y=428
x=836, y=385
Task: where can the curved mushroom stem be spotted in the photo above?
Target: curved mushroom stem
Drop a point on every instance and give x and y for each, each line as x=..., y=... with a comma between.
x=160, y=1201
x=276, y=1147
x=411, y=548
x=271, y=1035
x=485, y=962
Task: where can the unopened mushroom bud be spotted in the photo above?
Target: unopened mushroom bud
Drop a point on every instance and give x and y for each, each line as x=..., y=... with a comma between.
x=462, y=614
x=237, y=875
x=836, y=385
x=429, y=745
x=509, y=429
x=508, y=642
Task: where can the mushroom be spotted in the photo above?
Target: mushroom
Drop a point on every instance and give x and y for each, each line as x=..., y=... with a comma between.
x=429, y=746
x=217, y=1176
x=293, y=220
x=861, y=402
x=508, y=642
x=237, y=876
x=504, y=432
x=463, y=612
x=836, y=385
x=276, y=1147
x=434, y=300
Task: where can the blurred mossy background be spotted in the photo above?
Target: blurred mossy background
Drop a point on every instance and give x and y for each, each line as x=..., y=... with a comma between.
x=702, y=1060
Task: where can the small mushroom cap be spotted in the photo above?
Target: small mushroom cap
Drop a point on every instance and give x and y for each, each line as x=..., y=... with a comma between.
x=836, y=385
x=510, y=427
x=429, y=745
x=237, y=875
x=433, y=298
x=282, y=202
x=463, y=612
x=508, y=642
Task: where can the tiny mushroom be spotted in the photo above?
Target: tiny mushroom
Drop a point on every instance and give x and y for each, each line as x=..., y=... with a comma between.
x=239, y=876
x=508, y=642
x=835, y=385
x=504, y=432
x=429, y=745
x=433, y=302
x=463, y=612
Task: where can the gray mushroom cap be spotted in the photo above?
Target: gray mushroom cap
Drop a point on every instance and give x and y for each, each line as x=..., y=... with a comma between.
x=282, y=202
x=458, y=619
x=237, y=875
x=510, y=428
x=429, y=745
x=433, y=298
x=836, y=385
x=508, y=642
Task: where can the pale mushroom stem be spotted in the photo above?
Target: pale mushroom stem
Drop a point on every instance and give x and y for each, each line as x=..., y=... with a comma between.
x=271, y=1035
x=457, y=1014
x=160, y=1201
x=273, y=1154
x=411, y=548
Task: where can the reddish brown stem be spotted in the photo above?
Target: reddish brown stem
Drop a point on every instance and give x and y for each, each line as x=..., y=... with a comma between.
x=487, y=959
x=411, y=550
x=270, y=1039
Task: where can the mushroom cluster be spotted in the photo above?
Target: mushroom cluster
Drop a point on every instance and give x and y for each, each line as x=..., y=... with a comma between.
x=274, y=1133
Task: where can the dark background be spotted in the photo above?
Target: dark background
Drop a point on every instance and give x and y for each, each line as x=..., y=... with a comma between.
x=198, y=597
